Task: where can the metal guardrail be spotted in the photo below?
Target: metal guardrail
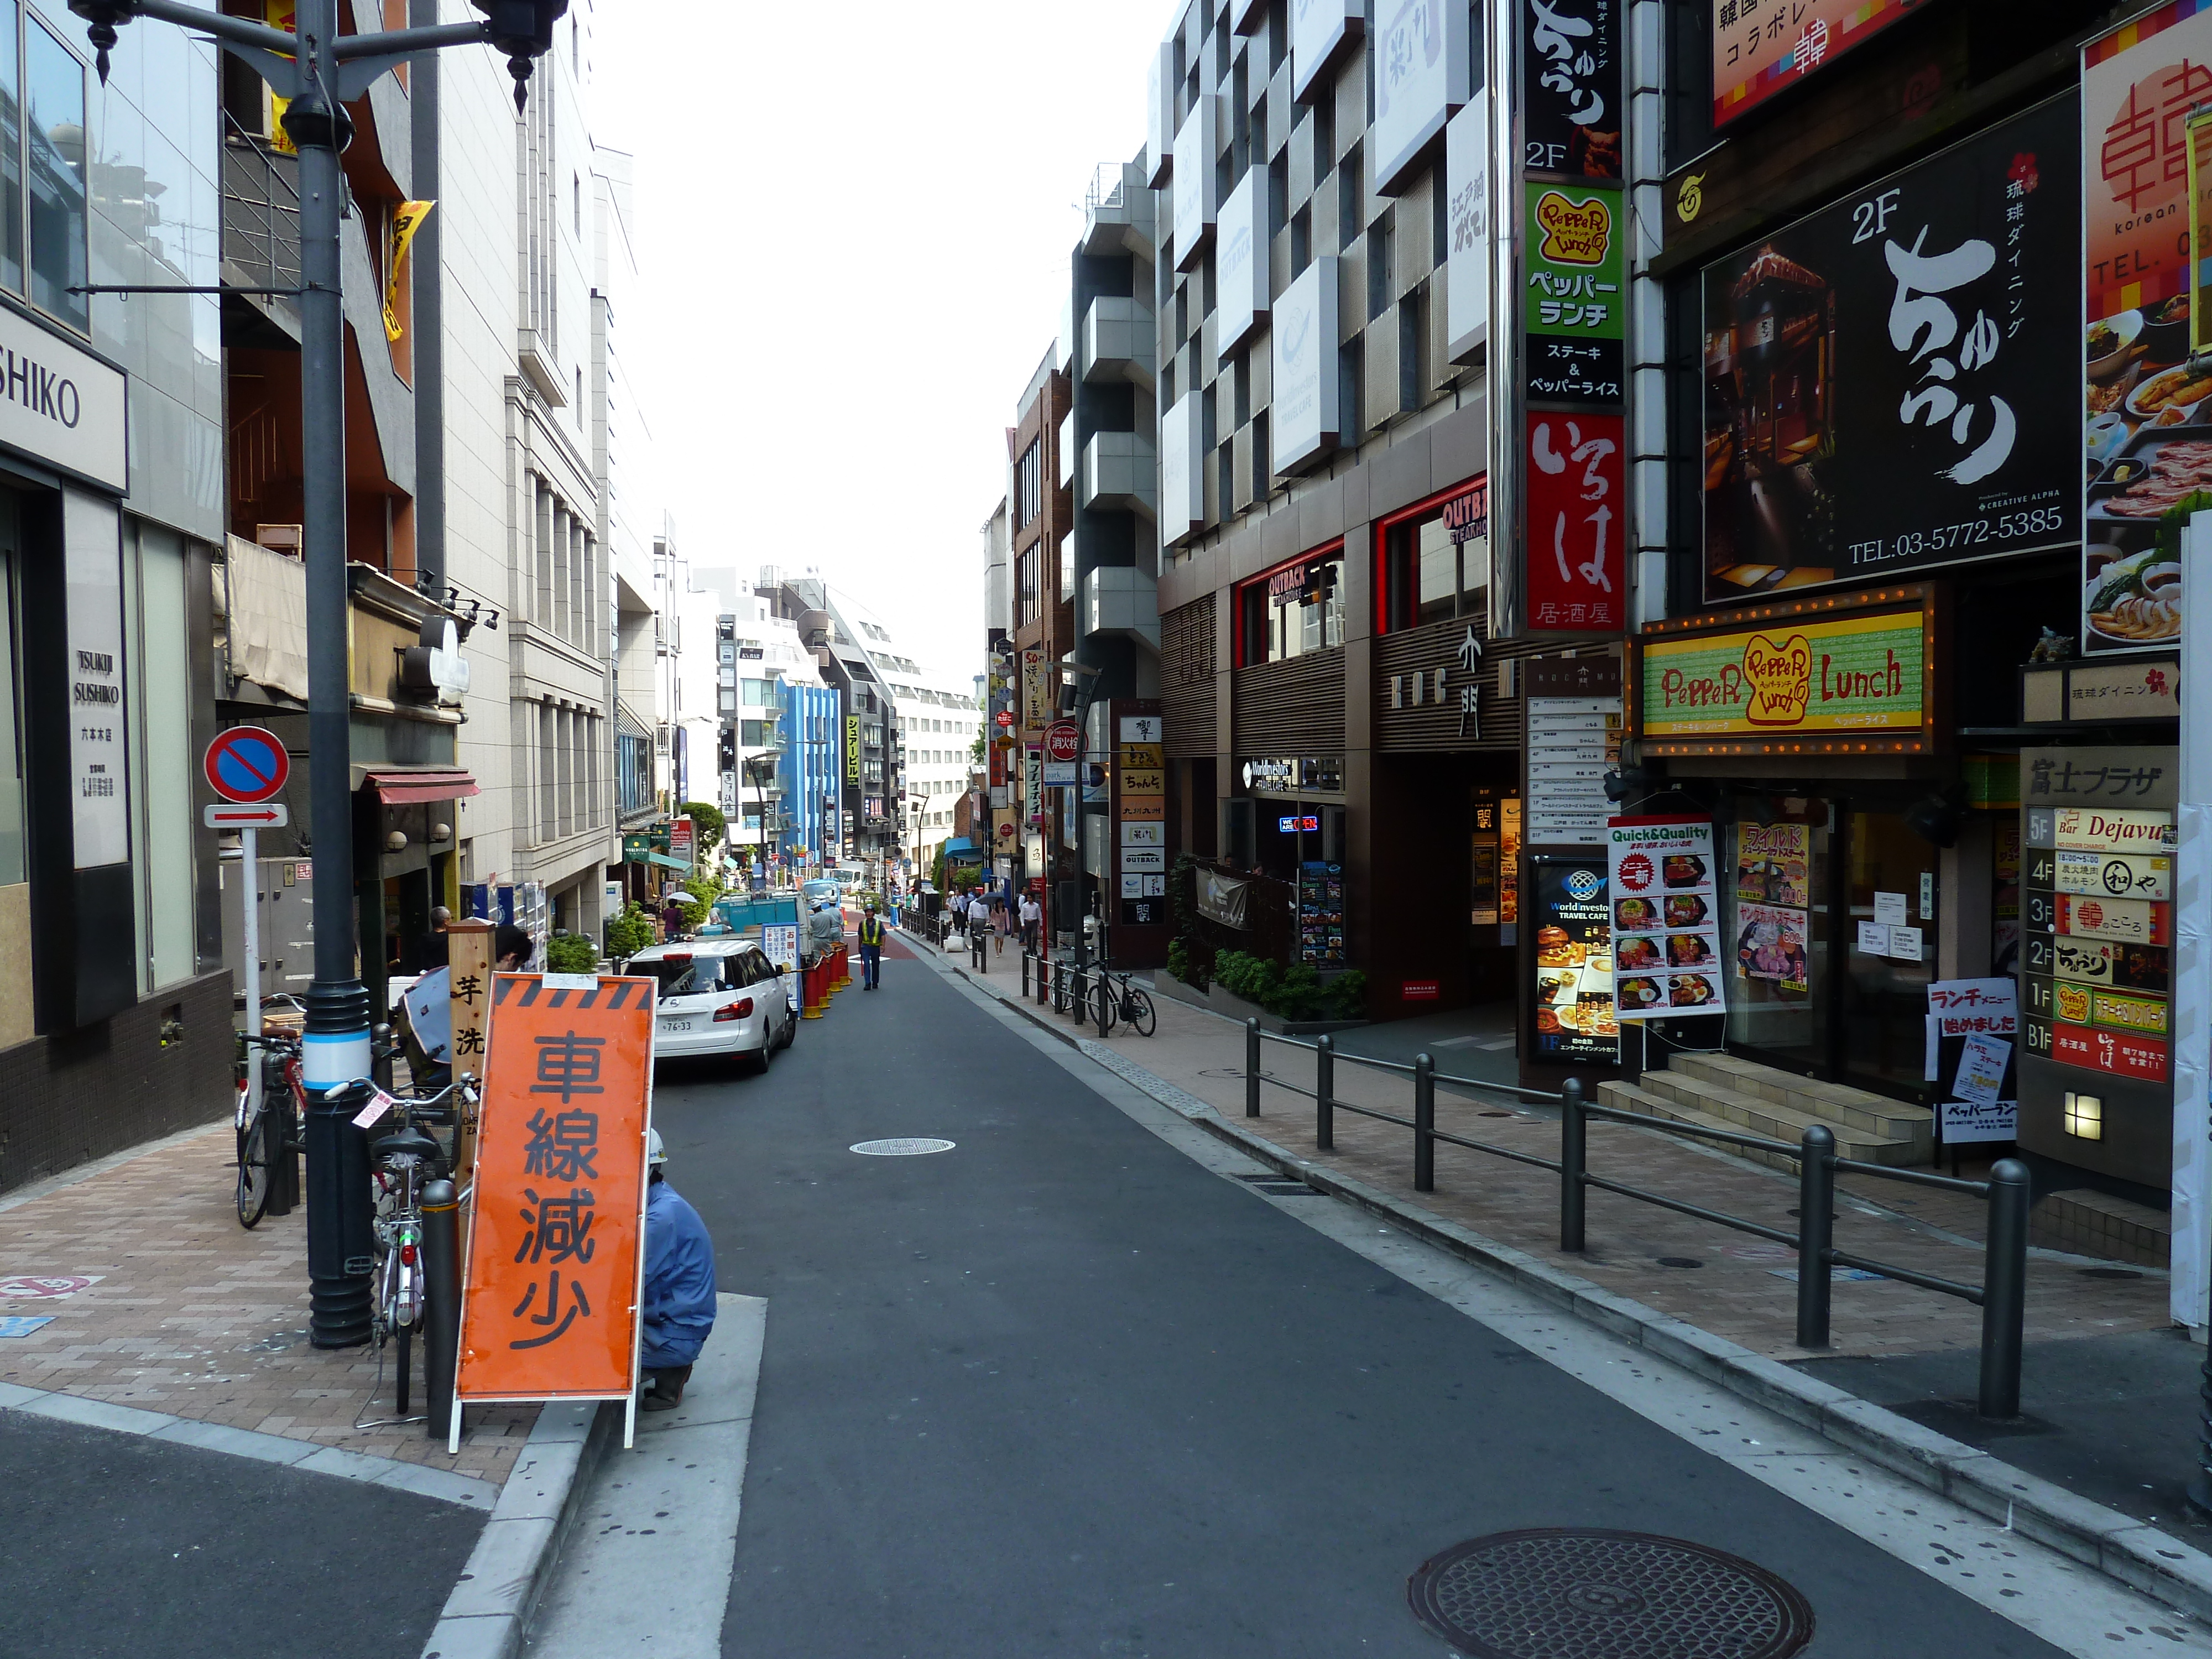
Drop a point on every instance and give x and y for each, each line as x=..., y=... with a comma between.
x=2002, y=1296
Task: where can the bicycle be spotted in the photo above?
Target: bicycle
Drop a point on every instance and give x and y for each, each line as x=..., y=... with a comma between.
x=406, y=1160
x=1115, y=998
x=268, y=1131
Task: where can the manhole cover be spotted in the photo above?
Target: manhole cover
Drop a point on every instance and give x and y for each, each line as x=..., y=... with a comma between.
x=903, y=1148
x=1545, y=1592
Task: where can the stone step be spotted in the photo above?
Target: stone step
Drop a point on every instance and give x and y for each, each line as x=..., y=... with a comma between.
x=1832, y=1102
x=1628, y=1097
x=1696, y=1101
x=2088, y=1222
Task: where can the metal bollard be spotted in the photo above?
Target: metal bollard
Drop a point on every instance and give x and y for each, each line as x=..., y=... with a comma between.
x=1325, y=1094
x=1816, y=1231
x=2004, y=1289
x=1082, y=995
x=1025, y=976
x=1425, y=1124
x=1252, y=1066
x=441, y=1302
x=1573, y=1155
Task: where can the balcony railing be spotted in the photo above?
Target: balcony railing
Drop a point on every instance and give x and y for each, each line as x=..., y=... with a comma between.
x=260, y=208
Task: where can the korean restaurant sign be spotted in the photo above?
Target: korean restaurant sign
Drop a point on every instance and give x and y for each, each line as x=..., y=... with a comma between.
x=1759, y=50
x=554, y=1258
x=1859, y=675
x=1880, y=376
x=2140, y=86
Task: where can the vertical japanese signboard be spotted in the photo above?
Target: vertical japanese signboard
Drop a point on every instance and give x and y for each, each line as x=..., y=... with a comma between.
x=2097, y=937
x=2148, y=456
x=555, y=1260
x=1881, y=377
x=1558, y=315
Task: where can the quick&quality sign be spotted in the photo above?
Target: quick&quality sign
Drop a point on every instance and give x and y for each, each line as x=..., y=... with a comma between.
x=550, y=1303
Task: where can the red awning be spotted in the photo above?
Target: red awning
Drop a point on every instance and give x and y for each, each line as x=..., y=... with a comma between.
x=408, y=786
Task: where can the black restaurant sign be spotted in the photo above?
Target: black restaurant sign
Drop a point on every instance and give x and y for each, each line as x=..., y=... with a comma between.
x=1573, y=109
x=1891, y=383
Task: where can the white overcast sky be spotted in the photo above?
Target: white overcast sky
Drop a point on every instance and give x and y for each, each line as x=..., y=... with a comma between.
x=855, y=226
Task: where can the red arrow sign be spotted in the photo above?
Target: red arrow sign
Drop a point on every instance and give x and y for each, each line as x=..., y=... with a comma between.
x=246, y=818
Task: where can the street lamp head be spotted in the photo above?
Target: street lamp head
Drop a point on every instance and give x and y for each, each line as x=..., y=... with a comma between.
x=103, y=15
x=523, y=29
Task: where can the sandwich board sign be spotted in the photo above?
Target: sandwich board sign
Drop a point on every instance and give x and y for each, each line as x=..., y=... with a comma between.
x=554, y=1270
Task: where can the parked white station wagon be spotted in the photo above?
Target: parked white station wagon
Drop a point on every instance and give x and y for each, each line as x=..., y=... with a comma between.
x=718, y=996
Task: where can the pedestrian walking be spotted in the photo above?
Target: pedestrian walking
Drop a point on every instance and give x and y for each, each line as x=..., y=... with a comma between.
x=979, y=930
x=1032, y=914
x=1002, y=923
x=872, y=948
x=671, y=919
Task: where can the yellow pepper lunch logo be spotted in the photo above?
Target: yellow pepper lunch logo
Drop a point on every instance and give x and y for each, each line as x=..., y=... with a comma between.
x=1575, y=233
x=1857, y=674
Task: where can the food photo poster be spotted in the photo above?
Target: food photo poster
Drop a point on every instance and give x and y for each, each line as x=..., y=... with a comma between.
x=1666, y=917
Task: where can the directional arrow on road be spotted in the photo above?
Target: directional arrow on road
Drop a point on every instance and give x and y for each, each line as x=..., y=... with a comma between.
x=229, y=816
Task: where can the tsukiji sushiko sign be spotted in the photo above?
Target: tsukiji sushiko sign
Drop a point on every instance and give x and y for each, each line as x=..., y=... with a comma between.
x=1815, y=677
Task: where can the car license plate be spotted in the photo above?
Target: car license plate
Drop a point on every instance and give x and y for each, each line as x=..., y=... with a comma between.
x=675, y=1025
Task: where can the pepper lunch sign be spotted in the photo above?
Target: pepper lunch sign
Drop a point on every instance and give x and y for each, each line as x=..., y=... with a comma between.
x=1856, y=676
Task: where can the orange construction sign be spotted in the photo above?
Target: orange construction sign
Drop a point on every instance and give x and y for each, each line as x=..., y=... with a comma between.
x=555, y=1258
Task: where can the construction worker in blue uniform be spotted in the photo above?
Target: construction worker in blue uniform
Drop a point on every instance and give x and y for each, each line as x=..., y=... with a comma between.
x=872, y=947
x=679, y=1285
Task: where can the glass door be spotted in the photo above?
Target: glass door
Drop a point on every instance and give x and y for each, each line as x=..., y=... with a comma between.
x=1888, y=911
x=1775, y=916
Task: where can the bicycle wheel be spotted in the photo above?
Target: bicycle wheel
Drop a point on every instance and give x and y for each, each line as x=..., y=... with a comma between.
x=404, y=1360
x=1137, y=1009
x=1102, y=1005
x=255, y=1159
x=1060, y=990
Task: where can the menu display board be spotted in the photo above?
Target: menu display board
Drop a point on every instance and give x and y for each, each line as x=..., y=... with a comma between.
x=1321, y=913
x=1571, y=743
x=1666, y=917
x=1575, y=1018
x=1972, y=1030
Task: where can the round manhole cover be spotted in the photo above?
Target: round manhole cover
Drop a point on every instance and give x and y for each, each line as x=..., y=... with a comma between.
x=1545, y=1592
x=905, y=1146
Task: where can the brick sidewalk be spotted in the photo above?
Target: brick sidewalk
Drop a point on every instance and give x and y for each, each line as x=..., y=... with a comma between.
x=196, y=1316
x=1731, y=1284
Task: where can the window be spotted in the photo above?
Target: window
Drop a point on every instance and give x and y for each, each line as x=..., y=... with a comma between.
x=1435, y=559
x=1028, y=483
x=1350, y=207
x=1379, y=255
x=756, y=734
x=1301, y=241
x=54, y=81
x=759, y=694
x=1292, y=610
x=1025, y=566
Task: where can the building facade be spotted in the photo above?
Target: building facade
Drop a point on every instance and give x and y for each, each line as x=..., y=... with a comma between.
x=115, y=1023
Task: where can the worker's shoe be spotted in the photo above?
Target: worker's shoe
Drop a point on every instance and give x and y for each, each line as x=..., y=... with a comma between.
x=667, y=1390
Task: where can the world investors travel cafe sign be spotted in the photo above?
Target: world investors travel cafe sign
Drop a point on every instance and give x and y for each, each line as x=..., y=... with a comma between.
x=1807, y=679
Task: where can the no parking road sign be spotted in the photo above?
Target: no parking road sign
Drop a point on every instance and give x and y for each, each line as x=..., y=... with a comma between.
x=246, y=764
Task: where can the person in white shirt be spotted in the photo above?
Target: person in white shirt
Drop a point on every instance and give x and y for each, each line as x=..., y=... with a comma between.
x=1032, y=917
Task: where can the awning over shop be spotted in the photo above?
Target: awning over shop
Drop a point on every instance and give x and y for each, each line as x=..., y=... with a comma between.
x=959, y=844
x=665, y=861
x=410, y=785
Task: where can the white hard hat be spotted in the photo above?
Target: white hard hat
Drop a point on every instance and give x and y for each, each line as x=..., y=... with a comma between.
x=655, y=1154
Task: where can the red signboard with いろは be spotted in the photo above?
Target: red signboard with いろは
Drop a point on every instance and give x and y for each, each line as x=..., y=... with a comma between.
x=1577, y=523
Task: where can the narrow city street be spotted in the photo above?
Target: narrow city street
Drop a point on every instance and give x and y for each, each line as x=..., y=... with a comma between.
x=1072, y=1387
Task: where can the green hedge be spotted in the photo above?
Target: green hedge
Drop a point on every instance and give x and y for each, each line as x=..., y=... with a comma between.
x=1296, y=992
x=570, y=953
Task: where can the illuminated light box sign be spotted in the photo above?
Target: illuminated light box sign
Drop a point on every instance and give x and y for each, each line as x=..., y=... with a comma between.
x=1852, y=674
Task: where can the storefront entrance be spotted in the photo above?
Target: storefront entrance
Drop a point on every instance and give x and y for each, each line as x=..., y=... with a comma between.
x=1832, y=911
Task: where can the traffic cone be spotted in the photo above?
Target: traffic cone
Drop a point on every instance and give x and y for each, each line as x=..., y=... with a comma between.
x=809, y=992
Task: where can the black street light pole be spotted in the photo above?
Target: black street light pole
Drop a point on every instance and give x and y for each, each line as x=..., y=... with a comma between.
x=320, y=70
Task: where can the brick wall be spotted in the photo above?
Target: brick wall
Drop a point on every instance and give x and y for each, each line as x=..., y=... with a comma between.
x=66, y=1100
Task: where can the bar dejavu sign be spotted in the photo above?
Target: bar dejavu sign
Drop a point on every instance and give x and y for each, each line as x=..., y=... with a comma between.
x=1852, y=674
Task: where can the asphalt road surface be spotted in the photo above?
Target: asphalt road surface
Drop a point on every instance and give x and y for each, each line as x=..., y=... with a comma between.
x=120, y=1546
x=1063, y=1390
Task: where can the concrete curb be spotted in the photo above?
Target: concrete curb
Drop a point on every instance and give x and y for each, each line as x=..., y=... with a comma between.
x=424, y=1480
x=488, y=1613
x=2134, y=1553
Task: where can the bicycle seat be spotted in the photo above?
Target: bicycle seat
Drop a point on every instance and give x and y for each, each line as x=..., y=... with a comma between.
x=406, y=1141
